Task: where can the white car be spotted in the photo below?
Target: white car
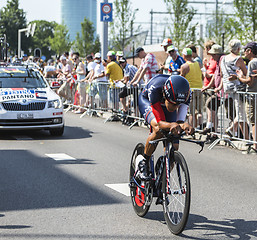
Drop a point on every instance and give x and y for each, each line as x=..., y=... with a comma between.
x=28, y=102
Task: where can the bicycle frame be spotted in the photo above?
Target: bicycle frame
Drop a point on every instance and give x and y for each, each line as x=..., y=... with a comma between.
x=168, y=150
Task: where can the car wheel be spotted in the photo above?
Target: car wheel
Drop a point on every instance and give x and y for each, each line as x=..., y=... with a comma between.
x=57, y=131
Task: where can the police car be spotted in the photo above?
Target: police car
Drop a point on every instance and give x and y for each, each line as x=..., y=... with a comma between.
x=28, y=102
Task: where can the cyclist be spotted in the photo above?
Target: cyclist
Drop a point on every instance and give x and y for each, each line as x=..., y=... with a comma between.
x=163, y=104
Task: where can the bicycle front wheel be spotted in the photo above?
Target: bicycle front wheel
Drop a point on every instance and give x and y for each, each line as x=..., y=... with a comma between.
x=176, y=193
x=141, y=192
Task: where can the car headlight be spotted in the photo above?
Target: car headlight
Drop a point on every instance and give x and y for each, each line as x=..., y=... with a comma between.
x=55, y=104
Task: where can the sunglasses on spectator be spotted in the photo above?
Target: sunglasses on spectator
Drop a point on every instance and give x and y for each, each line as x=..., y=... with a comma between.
x=74, y=59
x=172, y=51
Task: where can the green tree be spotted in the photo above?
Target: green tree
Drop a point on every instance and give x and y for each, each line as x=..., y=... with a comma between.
x=182, y=30
x=246, y=13
x=87, y=43
x=41, y=39
x=219, y=28
x=60, y=42
x=242, y=24
x=122, y=26
x=12, y=18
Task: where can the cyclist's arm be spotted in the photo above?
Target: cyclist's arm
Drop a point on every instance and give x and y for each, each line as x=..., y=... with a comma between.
x=161, y=121
x=181, y=117
x=182, y=113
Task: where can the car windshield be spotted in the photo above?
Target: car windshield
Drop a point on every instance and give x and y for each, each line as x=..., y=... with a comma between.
x=21, y=78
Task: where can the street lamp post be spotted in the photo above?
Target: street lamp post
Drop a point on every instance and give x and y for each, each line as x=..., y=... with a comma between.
x=29, y=31
x=19, y=40
x=223, y=33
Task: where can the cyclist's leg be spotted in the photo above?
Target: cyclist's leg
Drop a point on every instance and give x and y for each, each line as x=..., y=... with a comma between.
x=155, y=134
x=146, y=110
x=171, y=117
x=141, y=191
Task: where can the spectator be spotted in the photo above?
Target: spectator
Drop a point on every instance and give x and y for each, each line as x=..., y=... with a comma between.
x=164, y=68
x=113, y=73
x=99, y=82
x=229, y=66
x=195, y=56
x=30, y=59
x=58, y=64
x=209, y=66
x=90, y=67
x=214, y=102
x=79, y=71
x=50, y=70
x=148, y=67
x=176, y=61
x=90, y=73
x=250, y=52
x=192, y=72
x=68, y=59
x=66, y=90
x=129, y=73
x=66, y=70
x=25, y=58
x=119, y=54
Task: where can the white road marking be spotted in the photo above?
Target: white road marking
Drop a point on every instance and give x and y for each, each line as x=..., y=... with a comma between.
x=122, y=188
x=21, y=138
x=60, y=156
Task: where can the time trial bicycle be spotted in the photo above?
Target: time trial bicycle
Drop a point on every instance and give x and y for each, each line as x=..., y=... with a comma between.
x=170, y=183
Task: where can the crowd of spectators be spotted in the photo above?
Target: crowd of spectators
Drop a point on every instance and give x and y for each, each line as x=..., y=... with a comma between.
x=233, y=80
x=228, y=77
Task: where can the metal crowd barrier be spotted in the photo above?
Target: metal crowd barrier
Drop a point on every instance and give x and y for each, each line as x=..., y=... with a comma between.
x=102, y=97
x=220, y=109
x=229, y=115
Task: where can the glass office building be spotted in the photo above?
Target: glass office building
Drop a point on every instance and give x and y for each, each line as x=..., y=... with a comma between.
x=73, y=13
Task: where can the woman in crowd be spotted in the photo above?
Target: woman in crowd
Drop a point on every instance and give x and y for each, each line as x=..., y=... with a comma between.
x=230, y=64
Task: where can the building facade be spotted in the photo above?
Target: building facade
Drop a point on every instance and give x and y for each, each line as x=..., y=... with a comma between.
x=73, y=13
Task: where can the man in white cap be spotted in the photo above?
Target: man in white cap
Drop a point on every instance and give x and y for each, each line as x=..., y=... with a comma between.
x=176, y=61
x=99, y=82
x=164, y=68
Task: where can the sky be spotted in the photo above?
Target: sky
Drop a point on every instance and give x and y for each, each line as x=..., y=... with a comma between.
x=50, y=9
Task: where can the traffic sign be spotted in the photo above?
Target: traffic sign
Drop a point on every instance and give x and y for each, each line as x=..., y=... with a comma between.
x=106, y=12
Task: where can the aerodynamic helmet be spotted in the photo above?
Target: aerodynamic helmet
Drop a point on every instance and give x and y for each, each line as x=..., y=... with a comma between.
x=176, y=89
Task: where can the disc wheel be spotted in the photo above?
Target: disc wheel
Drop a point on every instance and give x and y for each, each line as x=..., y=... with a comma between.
x=176, y=197
x=141, y=192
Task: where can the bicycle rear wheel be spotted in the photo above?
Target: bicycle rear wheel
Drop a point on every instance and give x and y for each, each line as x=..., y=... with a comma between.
x=141, y=192
x=176, y=197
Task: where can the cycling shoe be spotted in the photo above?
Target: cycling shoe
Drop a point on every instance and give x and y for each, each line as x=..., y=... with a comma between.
x=143, y=171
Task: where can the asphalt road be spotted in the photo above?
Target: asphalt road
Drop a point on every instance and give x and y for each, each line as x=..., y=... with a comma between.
x=65, y=196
